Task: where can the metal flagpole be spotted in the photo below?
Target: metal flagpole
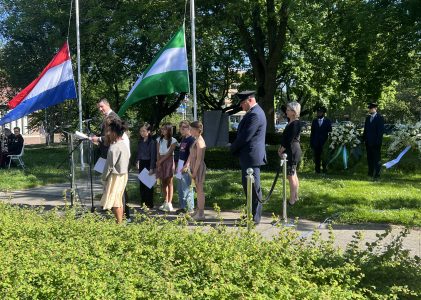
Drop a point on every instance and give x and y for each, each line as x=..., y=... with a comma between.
x=193, y=57
x=79, y=80
x=79, y=77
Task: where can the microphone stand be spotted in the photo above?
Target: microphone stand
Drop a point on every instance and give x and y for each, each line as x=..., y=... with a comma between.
x=88, y=129
x=70, y=159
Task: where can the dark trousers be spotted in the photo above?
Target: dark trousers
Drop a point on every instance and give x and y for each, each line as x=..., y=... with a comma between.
x=318, y=161
x=125, y=200
x=146, y=194
x=373, y=160
x=256, y=192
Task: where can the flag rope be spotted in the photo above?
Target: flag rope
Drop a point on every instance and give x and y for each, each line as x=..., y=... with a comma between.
x=185, y=13
x=70, y=19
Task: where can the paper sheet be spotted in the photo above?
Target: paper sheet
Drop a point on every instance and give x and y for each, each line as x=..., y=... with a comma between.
x=179, y=168
x=81, y=135
x=146, y=179
x=99, y=166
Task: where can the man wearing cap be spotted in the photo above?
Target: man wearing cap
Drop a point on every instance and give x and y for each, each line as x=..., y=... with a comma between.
x=320, y=128
x=373, y=137
x=249, y=146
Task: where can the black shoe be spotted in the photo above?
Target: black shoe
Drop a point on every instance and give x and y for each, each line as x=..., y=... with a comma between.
x=180, y=211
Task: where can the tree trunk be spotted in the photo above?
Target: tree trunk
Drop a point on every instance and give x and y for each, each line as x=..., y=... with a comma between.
x=265, y=51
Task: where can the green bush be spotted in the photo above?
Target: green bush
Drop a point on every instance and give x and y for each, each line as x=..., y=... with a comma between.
x=221, y=157
x=62, y=255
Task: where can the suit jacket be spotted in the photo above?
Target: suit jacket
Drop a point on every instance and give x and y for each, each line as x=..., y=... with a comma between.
x=319, y=134
x=249, y=145
x=15, y=144
x=373, y=131
x=102, y=147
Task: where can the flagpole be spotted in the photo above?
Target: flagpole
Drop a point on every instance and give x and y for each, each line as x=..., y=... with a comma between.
x=193, y=57
x=79, y=76
x=79, y=87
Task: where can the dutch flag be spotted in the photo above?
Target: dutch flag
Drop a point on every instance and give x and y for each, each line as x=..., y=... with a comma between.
x=54, y=85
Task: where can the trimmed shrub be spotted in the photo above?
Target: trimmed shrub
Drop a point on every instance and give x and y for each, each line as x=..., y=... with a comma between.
x=48, y=256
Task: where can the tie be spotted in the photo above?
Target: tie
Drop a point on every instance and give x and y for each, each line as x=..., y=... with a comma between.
x=371, y=118
x=320, y=122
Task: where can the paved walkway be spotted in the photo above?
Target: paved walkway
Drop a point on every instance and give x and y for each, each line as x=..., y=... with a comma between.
x=59, y=194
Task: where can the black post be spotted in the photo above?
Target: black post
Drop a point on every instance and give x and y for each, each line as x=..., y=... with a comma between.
x=88, y=129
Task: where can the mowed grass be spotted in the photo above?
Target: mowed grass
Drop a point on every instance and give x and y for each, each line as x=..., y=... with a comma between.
x=350, y=194
x=44, y=165
x=351, y=198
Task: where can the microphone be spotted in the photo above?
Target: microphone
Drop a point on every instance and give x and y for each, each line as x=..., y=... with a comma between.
x=87, y=120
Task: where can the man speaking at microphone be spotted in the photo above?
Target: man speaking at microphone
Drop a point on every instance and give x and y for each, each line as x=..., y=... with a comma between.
x=249, y=146
x=105, y=109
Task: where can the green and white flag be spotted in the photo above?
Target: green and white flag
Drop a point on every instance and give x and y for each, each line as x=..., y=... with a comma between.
x=167, y=74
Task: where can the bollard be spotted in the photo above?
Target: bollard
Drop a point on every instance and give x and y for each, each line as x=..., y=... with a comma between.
x=250, y=181
x=284, y=187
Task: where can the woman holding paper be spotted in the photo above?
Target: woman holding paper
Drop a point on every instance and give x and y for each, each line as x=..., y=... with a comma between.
x=116, y=169
x=146, y=159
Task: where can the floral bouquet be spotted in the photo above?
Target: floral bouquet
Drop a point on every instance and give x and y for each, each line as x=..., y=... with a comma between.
x=344, y=139
x=344, y=135
x=404, y=136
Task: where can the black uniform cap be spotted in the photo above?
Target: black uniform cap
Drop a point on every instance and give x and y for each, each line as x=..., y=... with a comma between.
x=372, y=105
x=241, y=96
x=321, y=109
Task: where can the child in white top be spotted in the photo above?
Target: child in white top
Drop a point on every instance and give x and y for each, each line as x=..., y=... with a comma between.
x=165, y=164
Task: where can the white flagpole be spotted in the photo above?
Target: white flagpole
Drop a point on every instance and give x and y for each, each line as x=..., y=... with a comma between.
x=193, y=57
x=79, y=76
x=79, y=81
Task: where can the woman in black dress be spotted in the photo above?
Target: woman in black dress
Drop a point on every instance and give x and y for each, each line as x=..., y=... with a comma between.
x=290, y=144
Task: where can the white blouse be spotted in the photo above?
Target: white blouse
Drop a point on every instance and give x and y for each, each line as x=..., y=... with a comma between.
x=163, y=143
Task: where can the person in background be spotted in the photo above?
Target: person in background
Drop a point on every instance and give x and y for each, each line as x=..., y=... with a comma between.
x=146, y=158
x=15, y=142
x=290, y=144
x=185, y=192
x=4, y=142
x=373, y=139
x=197, y=165
x=14, y=145
x=116, y=169
x=320, y=128
x=250, y=147
x=165, y=164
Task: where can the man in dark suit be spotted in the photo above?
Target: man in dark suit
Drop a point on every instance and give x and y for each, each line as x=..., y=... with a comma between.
x=105, y=109
x=320, y=128
x=249, y=146
x=373, y=138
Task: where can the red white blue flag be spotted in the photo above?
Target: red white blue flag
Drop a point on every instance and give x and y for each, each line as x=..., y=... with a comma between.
x=54, y=85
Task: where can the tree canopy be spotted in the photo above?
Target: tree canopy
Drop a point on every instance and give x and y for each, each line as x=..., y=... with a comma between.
x=339, y=53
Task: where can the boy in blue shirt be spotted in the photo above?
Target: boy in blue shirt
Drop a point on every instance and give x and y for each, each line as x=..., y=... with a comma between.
x=185, y=192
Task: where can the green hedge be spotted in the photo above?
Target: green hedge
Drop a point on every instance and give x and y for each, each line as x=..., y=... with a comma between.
x=221, y=157
x=47, y=256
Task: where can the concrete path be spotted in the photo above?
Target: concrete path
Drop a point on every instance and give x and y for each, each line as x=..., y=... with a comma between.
x=59, y=195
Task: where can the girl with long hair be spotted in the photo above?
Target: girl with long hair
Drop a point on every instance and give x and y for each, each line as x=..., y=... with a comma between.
x=165, y=164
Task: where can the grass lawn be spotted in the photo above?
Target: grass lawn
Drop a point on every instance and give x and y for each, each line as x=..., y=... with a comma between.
x=395, y=199
x=357, y=200
x=42, y=167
